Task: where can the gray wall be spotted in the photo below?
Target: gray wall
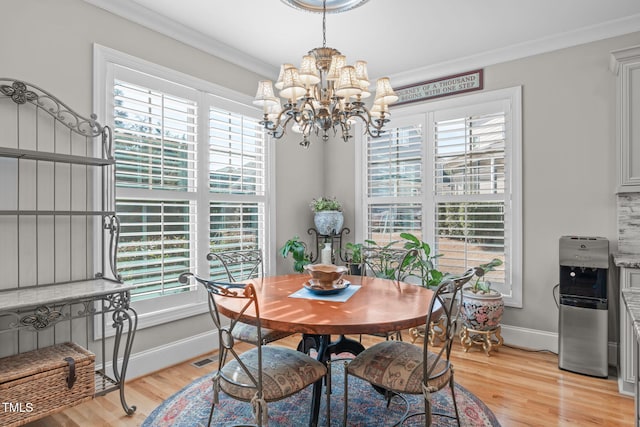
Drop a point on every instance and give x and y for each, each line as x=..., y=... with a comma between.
x=568, y=118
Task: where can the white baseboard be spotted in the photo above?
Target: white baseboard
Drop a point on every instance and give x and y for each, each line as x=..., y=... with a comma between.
x=533, y=339
x=157, y=358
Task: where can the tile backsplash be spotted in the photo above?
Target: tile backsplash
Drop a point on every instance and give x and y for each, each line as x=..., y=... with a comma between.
x=629, y=223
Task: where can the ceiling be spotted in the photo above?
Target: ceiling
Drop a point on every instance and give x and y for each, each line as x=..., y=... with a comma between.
x=398, y=38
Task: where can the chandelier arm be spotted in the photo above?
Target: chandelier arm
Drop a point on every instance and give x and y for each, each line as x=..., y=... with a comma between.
x=372, y=127
x=277, y=128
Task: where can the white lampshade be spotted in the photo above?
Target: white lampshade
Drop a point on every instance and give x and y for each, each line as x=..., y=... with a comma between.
x=377, y=109
x=308, y=72
x=292, y=87
x=265, y=96
x=337, y=62
x=363, y=77
x=279, y=83
x=348, y=85
x=384, y=92
x=361, y=71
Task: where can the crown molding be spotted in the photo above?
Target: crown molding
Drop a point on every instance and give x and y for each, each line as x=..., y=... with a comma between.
x=133, y=12
x=163, y=25
x=593, y=33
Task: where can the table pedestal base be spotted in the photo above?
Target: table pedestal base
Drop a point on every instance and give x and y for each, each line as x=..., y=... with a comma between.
x=325, y=348
x=470, y=337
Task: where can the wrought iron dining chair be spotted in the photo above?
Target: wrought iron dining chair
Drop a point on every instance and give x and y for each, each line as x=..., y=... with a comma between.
x=240, y=266
x=388, y=263
x=262, y=374
x=404, y=368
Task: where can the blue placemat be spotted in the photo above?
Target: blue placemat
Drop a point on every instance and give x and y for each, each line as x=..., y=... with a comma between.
x=339, y=297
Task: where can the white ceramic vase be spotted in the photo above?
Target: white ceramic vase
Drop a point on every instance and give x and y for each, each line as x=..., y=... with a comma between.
x=328, y=222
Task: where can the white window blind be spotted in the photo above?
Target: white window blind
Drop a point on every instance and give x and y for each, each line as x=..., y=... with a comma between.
x=155, y=136
x=394, y=183
x=155, y=245
x=469, y=191
x=395, y=163
x=237, y=180
x=236, y=153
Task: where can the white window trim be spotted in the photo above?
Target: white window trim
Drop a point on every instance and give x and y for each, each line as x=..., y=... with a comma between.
x=169, y=308
x=511, y=95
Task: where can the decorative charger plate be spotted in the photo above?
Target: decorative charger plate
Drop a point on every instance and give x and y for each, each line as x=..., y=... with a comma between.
x=319, y=290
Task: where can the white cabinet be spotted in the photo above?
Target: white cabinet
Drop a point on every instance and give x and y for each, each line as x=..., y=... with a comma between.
x=629, y=278
x=625, y=63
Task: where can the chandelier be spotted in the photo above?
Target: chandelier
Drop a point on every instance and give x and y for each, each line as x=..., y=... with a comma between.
x=323, y=95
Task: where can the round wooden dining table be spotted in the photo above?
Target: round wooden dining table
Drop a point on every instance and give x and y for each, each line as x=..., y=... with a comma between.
x=374, y=305
x=378, y=305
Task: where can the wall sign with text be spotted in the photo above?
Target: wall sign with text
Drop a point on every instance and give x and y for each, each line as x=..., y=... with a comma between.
x=444, y=86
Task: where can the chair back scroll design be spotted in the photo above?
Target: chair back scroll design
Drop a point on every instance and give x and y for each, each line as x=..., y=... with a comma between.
x=388, y=263
x=448, y=296
x=240, y=265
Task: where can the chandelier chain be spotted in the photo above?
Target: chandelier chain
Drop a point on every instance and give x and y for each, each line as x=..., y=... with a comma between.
x=324, y=23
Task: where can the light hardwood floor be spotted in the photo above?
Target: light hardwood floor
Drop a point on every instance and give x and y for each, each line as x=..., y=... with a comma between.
x=522, y=388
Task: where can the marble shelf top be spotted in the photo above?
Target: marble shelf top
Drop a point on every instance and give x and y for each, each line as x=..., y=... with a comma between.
x=626, y=260
x=16, y=299
x=631, y=299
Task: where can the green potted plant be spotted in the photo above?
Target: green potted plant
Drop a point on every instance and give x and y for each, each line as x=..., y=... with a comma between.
x=422, y=265
x=298, y=251
x=353, y=255
x=482, y=307
x=328, y=217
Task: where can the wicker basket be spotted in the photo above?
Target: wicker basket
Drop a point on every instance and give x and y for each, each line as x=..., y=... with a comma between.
x=36, y=384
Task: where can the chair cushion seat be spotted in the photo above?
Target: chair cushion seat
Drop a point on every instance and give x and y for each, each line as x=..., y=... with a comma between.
x=284, y=372
x=249, y=333
x=397, y=366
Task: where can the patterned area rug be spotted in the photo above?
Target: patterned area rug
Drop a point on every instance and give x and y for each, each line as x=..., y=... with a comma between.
x=190, y=407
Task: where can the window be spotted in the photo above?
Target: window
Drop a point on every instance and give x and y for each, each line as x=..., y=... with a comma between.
x=449, y=172
x=155, y=135
x=191, y=174
x=394, y=182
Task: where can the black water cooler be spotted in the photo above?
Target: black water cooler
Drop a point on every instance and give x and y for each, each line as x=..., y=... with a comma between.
x=583, y=327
